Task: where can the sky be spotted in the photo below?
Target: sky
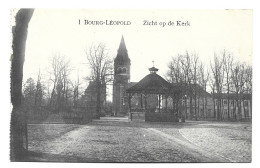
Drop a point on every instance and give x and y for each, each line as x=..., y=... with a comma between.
x=57, y=31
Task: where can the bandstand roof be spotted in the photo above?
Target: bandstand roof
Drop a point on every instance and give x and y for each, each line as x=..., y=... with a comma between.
x=152, y=83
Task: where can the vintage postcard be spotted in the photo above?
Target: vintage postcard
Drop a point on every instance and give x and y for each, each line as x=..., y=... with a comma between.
x=131, y=86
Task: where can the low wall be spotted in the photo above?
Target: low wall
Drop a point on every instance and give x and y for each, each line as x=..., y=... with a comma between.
x=80, y=115
x=161, y=117
x=70, y=115
x=77, y=118
x=137, y=116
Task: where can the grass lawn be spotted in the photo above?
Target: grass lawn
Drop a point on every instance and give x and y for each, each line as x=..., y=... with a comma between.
x=47, y=132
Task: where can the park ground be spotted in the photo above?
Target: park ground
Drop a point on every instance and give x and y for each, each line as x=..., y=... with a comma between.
x=115, y=139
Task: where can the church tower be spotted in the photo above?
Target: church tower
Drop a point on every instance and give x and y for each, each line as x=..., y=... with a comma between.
x=121, y=79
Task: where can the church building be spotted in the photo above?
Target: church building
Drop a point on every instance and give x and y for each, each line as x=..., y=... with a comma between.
x=121, y=82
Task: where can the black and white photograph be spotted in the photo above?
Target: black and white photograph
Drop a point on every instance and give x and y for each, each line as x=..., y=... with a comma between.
x=131, y=85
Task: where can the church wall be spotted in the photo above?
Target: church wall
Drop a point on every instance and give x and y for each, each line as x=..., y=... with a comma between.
x=121, y=80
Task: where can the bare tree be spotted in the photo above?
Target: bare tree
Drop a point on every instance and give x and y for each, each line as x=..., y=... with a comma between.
x=248, y=85
x=186, y=68
x=203, y=80
x=176, y=75
x=54, y=75
x=60, y=70
x=101, y=70
x=76, y=93
x=249, y=77
x=212, y=85
x=238, y=77
x=218, y=76
x=65, y=72
x=184, y=71
x=194, y=73
x=227, y=67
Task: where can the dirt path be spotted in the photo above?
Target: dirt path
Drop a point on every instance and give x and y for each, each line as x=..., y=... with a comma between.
x=189, y=147
x=118, y=140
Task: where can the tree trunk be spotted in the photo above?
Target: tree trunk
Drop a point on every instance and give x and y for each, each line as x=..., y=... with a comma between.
x=234, y=110
x=66, y=95
x=228, y=103
x=244, y=108
x=177, y=107
x=191, y=108
x=203, y=106
x=250, y=110
x=195, y=104
x=239, y=109
x=186, y=111
x=218, y=108
x=214, y=106
x=18, y=122
x=198, y=110
x=98, y=105
x=52, y=94
x=228, y=94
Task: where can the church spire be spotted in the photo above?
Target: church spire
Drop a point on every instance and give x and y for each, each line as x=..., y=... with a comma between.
x=122, y=46
x=122, y=55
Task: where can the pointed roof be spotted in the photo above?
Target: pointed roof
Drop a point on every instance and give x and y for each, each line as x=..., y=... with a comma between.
x=122, y=55
x=122, y=44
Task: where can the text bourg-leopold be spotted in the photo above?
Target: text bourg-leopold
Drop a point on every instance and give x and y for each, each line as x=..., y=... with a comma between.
x=101, y=22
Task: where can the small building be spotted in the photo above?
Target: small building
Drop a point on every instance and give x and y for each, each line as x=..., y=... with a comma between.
x=151, y=90
x=234, y=106
x=185, y=102
x=90, y=98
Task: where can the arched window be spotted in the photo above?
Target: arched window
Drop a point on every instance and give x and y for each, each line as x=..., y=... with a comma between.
x=124, y=70
x=119, y=70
